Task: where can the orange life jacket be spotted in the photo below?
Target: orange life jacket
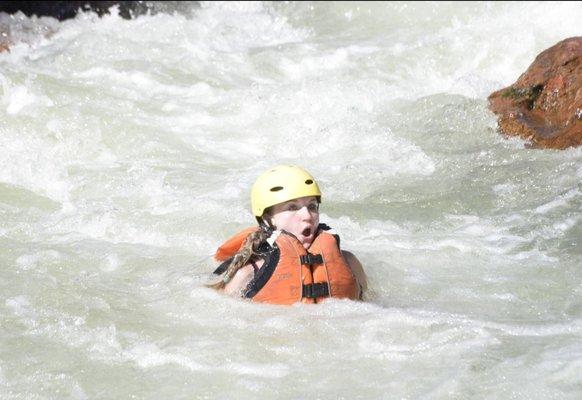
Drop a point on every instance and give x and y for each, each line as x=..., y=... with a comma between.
x=292, y=274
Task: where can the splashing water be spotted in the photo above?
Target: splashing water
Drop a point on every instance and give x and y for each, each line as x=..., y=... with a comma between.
x=128, y=148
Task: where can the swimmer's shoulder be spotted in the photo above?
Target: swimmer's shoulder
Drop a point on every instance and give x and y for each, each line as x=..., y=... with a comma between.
x=357, y=269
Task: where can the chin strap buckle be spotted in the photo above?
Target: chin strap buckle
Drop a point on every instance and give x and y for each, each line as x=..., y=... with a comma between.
x=310, y=259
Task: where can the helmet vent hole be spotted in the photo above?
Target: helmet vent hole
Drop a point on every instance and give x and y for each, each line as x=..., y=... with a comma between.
x=308, y=182
x=276, y=188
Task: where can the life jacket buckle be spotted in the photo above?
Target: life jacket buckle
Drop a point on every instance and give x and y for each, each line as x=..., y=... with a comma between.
x=315, y=290
x=310, y=259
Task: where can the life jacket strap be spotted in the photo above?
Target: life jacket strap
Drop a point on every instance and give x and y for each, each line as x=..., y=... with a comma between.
x=310, y=259
x=315, y=290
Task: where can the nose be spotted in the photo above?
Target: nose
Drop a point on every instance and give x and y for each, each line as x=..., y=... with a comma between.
x=304, y=213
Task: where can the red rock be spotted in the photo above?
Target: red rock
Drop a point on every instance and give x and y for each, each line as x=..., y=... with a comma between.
x=544, y=105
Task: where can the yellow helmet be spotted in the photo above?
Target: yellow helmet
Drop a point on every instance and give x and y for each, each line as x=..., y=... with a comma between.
x=280, y=184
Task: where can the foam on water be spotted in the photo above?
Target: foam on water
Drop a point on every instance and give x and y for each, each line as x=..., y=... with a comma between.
x=127, y=152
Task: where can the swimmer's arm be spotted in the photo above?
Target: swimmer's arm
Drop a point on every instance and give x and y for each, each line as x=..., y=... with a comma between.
x=239, y=281
x=357, y=269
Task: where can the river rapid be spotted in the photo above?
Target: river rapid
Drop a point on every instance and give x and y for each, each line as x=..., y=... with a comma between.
x=127, y=152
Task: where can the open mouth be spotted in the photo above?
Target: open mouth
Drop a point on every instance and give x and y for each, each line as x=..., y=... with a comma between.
x=306, y=232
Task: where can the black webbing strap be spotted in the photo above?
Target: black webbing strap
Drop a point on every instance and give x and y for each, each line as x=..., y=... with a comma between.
x=221, y=269
x=310, y=259
x=314, y=290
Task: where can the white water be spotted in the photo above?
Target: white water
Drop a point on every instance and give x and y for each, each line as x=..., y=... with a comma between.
x=127, y=150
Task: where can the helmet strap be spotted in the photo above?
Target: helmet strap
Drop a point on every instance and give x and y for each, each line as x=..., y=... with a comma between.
x=265, y=223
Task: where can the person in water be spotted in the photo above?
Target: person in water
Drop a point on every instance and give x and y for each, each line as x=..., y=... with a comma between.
x=289, y=257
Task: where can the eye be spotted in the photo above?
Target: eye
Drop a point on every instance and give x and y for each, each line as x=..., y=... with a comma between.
x=313, y=207
x=292, y=207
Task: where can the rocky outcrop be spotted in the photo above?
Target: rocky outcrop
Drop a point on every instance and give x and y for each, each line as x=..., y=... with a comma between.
x=68, y=9
x=544, y=105
x=62, y=10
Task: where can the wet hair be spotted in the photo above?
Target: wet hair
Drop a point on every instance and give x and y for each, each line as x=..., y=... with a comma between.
x=246, y=252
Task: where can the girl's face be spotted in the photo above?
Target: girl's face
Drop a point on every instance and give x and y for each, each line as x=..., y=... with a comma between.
x=299, y=217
